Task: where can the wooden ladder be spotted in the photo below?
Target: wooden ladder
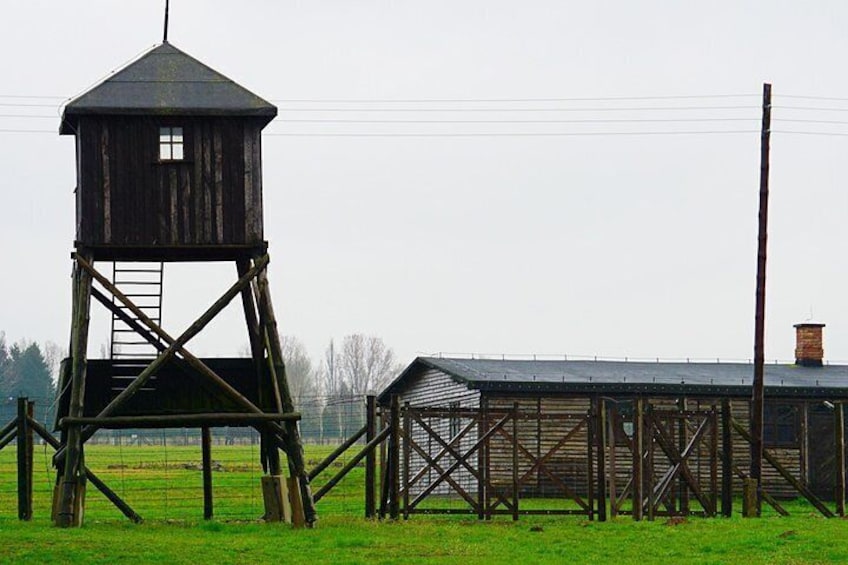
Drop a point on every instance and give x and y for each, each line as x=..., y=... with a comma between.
x=130, y=352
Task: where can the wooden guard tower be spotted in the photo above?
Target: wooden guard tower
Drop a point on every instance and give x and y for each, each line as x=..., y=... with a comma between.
x=169, y=169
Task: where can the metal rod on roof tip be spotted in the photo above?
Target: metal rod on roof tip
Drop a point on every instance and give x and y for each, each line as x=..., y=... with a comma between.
x=167, y=9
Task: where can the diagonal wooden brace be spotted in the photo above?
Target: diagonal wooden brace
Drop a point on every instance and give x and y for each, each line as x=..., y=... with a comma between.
x=278, y=433
x=176, y=345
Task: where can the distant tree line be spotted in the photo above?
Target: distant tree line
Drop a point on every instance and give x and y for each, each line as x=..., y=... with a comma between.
x=331, y=394
x=27, y=369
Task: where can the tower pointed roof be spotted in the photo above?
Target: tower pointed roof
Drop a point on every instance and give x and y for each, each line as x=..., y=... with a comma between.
x=166, y=81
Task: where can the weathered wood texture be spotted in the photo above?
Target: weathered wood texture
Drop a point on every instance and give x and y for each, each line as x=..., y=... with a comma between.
x=126, y=196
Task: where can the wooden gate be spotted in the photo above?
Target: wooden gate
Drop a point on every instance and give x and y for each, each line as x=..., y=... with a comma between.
x=662, y=462
x=682, y=457
x=496, y=462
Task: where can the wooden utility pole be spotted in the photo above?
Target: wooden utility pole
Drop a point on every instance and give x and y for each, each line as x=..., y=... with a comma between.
x=760, y=310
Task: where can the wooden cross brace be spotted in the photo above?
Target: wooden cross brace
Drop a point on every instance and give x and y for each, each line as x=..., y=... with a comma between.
x=679, y=461
x=540, y=463
x=175, y=346
x=461, y=460
x=433, y=462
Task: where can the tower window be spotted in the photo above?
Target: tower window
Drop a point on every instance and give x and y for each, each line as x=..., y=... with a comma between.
x=171, y=144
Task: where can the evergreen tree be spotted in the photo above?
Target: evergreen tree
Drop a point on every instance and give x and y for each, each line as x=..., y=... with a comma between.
x=24, y=372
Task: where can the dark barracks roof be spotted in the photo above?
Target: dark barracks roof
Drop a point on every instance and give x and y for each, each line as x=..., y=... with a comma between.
x=167, y=81
x=631, y=377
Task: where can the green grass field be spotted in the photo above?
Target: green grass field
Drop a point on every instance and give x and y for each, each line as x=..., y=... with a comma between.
x=164, y=486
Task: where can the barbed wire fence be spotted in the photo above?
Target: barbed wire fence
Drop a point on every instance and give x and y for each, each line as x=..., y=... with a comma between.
x=158, y=472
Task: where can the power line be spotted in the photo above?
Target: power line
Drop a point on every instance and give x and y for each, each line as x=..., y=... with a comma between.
x=499, y=100
x=805, y=97
x=811, y=108
x=21, y=96
x=26, y=116
x=514, y=134
x=589, y=109
x=27, y=105
x=798, y=121
x=545, y=121
x=825, y=133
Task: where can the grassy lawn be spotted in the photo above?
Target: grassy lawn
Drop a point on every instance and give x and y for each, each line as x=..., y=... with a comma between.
x=164, y=487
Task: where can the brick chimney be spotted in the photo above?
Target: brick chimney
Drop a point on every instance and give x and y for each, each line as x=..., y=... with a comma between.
x=808, y=344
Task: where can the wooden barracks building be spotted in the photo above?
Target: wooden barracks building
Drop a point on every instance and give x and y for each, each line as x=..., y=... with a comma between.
x=554, y=434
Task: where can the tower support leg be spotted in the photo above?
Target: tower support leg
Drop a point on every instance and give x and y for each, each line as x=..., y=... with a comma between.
x=302, y=495
x=69, y=502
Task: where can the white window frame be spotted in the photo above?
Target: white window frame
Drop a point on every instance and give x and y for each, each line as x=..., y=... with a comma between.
x=171, y=143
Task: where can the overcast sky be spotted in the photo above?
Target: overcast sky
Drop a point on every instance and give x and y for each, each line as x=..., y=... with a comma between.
x=610, y=245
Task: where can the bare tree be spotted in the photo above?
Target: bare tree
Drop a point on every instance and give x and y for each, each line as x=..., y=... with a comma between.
x=53, y=355
x=300, y=374
x=365, y=363
x=332, y=384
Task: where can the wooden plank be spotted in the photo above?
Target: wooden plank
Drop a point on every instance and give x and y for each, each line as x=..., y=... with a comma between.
x=180, y=420
x=198, y=187
x=804, y=451
x=257, y=234
x=297, y=510
x=208, y=186
x=247, y=160
x=218, y=153
x=106, y=184
x=172, y=198
x=185, y=205
x=275, y=495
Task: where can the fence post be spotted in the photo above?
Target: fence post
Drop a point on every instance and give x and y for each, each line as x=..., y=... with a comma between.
x=612, y=493
x=515, y=461
x=482, y=459
x=839, y=433
x=394, y=459
x=24, y=452
x=407, y=427
x=371, y=458
x=726, y=459
x=591, y=477
x=601, y=423
x=206, y=455
x=638, y=445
